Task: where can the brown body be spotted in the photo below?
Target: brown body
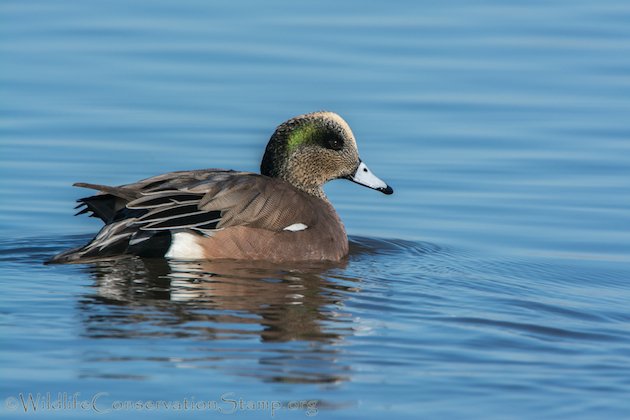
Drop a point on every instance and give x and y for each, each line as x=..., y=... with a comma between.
x=329, y=243
x=279, y=215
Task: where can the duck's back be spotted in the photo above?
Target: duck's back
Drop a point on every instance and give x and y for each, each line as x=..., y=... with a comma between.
x=211, y=214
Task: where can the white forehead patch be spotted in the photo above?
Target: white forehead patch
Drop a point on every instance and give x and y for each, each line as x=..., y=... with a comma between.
x=341, y=122
x=295, y=227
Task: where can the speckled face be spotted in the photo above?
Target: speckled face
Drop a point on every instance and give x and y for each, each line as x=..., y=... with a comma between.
x=325, y=145
x=310, y=150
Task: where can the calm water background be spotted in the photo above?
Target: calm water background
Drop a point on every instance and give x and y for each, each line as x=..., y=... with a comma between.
x=494, y=283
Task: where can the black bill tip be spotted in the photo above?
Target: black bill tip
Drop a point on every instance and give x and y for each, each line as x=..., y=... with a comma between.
x=388, y=190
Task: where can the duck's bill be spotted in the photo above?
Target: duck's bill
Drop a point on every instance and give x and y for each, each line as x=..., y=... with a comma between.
x=365, y=177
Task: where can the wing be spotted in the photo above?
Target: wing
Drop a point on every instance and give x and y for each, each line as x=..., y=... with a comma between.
x=203, y=201
x=110, y=205
x=218, y=202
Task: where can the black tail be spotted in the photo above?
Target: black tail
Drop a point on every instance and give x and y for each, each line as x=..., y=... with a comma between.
x=112, y=240
x=121, y=233
x=115, y=241
x=66, y=257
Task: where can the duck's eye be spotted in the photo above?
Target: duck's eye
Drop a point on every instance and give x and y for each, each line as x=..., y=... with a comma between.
x=335, y=143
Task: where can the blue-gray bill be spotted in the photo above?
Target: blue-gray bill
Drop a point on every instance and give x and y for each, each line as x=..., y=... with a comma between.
x=365, y=177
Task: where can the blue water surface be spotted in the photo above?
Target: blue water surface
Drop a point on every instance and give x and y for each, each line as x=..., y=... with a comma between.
x=494, y=283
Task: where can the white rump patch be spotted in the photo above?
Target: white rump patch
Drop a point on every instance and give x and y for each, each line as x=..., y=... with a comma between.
x=184, y=246
x=296, y=227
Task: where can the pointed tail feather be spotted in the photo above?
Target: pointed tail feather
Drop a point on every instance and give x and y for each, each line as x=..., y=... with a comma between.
x=67, y=257
x=121, y=192
x=112, y=240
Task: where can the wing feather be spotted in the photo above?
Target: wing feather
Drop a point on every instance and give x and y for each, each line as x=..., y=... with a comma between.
x=137, y=215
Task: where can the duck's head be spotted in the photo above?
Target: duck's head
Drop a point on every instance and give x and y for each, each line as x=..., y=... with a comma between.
x=311, y=149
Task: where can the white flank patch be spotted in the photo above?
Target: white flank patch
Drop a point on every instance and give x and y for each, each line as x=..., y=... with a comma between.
x=184, y=246
x=295, y=227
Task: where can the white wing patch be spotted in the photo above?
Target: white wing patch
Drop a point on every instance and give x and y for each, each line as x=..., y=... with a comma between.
x=184, y=246
x=296, y=227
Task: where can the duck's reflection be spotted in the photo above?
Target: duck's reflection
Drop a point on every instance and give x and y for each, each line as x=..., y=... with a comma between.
x=296, y=311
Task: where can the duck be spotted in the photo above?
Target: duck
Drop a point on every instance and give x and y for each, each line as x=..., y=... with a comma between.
x=278, y=215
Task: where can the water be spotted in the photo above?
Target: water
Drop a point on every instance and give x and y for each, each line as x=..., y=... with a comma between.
x=492, y=284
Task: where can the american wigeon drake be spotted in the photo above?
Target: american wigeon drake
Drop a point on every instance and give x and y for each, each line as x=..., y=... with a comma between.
x=279, y=215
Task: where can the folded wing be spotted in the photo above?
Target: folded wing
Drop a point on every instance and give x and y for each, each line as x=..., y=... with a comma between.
x=139, y=218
